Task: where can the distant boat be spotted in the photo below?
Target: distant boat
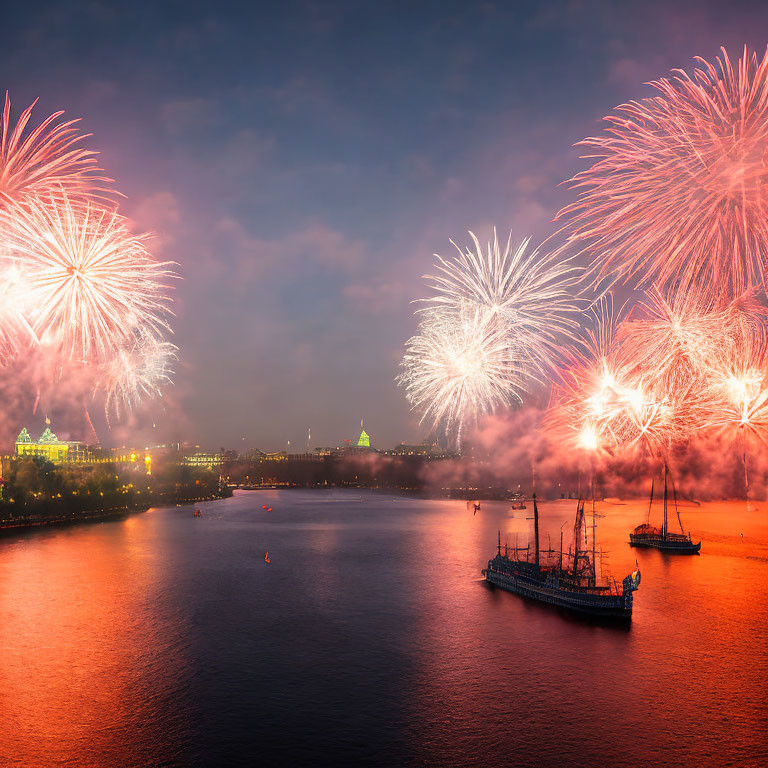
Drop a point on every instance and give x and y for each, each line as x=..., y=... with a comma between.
x=477, y=508
x=517, y=504
x=266, y=558
x=198, y=513
x=647, y=535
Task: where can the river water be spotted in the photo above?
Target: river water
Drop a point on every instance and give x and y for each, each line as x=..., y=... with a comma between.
x=370, y=640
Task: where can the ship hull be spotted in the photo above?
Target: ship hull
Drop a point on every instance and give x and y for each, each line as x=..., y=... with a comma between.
x=665, y=545
x=606, y=606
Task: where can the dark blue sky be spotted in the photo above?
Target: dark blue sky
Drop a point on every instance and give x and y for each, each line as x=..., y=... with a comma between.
x=303, y=161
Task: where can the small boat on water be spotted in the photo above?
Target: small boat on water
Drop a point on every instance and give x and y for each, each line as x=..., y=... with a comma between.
x=570, y=581
x=518, y=504
x=647, y=535
x=266, y=558
x=476, y=508
x=198, y=513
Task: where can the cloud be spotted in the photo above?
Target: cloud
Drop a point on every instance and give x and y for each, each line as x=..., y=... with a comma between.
x=177, y=115
x=378, y=297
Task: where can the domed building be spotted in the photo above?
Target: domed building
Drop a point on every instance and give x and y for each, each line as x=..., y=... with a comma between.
x=49, y=447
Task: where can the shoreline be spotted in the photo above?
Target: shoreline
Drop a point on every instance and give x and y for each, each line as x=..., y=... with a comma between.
x=9, y=526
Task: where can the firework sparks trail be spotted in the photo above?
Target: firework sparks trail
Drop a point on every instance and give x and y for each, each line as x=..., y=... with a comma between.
x=90, y=283
x=45, y=160
x=455, y=370
x=678, y=190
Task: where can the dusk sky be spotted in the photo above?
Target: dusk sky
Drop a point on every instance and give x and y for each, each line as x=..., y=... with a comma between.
x=303, y=161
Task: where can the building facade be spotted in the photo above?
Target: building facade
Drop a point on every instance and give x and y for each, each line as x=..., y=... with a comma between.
x=49, y=447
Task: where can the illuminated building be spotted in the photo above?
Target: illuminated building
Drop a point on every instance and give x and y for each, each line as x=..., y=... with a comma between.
x=422, y=449
x=49, y=447
x=203, y=460
x=364, y=441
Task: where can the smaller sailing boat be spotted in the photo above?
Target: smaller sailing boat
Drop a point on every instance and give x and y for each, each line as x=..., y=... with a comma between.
x=476, y=508
x=266, y=558
x=647, y=535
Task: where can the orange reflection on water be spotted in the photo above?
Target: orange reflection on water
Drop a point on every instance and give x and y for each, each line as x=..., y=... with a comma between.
x=506, y=676
x=75, y=683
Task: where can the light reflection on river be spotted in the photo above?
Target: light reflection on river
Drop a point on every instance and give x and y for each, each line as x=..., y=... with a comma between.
x=370, y=640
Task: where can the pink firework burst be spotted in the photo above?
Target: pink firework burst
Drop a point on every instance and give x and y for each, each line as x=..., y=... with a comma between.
x=45, y=160
x=678, y=190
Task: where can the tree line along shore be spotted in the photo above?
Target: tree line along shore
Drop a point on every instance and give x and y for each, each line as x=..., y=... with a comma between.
x=35, y=490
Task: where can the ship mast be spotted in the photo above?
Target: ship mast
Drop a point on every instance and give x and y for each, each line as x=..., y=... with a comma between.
x=536, y=527
x=561, y=547
x=664, y=522
x=594, y=534
x=577, y=535
x=650, y=503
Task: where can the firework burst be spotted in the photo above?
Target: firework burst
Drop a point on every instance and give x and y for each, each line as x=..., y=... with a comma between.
x=135, y=373
x=524, y=291
x=45, y=160
x=670, y=336
x=604, y=401
x=488, y=332
x=456, y=369
x=90, y=283
x=737, y=387
x=678, y=192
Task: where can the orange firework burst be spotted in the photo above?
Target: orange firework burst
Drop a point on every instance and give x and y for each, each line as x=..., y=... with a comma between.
x=678, y=193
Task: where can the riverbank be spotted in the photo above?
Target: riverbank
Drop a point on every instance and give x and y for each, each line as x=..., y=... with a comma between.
x=15, y=525
x=57, y=517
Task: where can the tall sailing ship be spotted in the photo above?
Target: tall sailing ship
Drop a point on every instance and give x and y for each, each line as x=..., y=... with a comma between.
x=571, y=581
x=647, y=535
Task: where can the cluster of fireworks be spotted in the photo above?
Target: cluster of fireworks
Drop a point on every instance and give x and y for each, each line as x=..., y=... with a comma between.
x=79, y=292
x=489, y=332
x=674, y=204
